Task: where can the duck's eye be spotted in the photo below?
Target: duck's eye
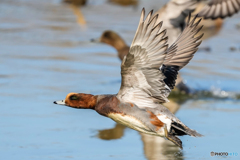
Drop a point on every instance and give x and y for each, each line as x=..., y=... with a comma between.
x=107, y=34
x=73, y=97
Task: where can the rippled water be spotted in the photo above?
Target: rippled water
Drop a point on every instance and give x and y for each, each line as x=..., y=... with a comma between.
x=46, y=54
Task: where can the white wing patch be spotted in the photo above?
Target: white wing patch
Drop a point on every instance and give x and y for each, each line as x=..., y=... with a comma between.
x=165, y=120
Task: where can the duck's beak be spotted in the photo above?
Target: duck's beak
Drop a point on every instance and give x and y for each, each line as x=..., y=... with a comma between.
x=96, y=40
x=62, y=102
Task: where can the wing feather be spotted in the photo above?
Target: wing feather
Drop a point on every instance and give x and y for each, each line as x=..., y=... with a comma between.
x=220, y=9
x=182, y=50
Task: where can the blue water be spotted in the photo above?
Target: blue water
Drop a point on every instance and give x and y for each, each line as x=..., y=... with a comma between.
x=46, y=54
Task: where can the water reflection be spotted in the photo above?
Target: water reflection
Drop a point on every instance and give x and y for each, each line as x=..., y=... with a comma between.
x=114, y=133
x=156, y=148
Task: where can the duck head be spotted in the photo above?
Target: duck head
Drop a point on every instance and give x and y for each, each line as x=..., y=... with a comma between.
x=79, y=101
x=111, y=38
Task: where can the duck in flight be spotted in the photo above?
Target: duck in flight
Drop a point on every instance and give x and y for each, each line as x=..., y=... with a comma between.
x=148, y=74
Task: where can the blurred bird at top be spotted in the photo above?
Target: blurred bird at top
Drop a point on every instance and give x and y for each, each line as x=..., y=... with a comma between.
x=175, y=12
x=74, y=5
x=124, y=2
x=76, y=2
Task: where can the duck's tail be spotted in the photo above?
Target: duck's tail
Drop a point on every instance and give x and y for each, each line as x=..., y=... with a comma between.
x=179, y=130
x=193, y=133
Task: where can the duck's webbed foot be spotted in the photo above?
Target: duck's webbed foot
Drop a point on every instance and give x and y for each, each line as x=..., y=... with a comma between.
x=172, y=138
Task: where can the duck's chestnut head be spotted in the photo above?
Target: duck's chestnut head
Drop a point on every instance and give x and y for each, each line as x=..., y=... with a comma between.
x=78, y=100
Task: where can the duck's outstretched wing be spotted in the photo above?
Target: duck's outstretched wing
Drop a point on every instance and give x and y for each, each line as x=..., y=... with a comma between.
x=220, y=9
x=142, y=79
x=181, y=51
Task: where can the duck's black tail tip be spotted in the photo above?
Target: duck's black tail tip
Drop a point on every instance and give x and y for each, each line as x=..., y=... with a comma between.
x=194, y=133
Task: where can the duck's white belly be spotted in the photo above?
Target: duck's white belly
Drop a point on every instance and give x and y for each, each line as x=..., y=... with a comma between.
x=131, y=122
